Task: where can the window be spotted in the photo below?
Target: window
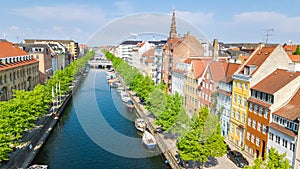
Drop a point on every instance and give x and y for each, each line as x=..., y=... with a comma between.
x=264, y=130
x=261, y=110
x=292, y=147
x=277, y=139
x=251, y=151
x=257, y=141
x=254, y=124
x=266, y=113
x=241, y=85
x=246, y=86
x=250, y=106
x=296, y=127
x=245, y=101
x=258, y=126
x=237, y=131
x=243, y=118
x=234, y=97
x=248, y=136
x=238, y=116
x=284, y=143
x=232, y=128
x=235, y=84
x=271, y=136
x=252, y=138
x=255, y=109
x=0, y=79
x=233, y=113
x=239, y=100
x=249, y=122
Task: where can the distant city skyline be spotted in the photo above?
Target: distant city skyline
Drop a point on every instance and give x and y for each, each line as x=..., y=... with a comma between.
x=229, y=21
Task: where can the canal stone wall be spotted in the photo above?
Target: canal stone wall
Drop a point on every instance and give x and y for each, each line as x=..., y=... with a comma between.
x=169, y=152
x=33, y=140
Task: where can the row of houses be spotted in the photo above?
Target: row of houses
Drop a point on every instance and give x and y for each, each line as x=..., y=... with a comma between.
x=254, y=88
x=24, y=65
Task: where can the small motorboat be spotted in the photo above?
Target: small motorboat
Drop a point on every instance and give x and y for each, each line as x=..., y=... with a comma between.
x=130, y=104
x=36, y=166
x=149, y=140
x=125, y=96
x=140, y=124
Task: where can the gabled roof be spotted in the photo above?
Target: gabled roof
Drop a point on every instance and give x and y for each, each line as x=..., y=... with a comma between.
x=275, y=81
x=230, y=70
x=217, y=70
x=8, y=49
x=258, y=58
x=199, y=67
x=291, y=110
x=290, y=48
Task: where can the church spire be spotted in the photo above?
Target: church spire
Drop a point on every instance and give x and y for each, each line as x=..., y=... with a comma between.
x=173, y=27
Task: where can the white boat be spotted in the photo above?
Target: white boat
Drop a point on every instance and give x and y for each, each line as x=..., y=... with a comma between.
x=120, y=89
x=140, y=124
x=36, y=166
x=125, y=96
x=149, y=140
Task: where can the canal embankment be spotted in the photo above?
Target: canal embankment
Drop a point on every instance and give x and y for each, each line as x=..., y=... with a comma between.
x=34, y=139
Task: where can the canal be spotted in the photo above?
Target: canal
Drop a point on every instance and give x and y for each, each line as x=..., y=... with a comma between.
x=96, y=130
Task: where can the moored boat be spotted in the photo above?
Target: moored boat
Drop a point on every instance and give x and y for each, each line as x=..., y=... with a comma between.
x=140, y=124
x=36, y=166
x=149, y=140
x=130, y=104
x=125, y=96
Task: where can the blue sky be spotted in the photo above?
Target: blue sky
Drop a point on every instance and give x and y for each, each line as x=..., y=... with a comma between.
x=228, y=21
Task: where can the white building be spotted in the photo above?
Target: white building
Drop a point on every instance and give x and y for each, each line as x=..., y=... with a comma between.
x=178, y=78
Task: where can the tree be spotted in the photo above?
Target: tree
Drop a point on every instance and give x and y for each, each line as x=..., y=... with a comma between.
x=297, y=52
x=204, y=139
x=275, y=160
x=157, y=102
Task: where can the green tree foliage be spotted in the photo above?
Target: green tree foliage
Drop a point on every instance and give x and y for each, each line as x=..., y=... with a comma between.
x=157, y=101
x=203, y=140
x=168, y=110
x=20, y=113
x=297, y=52
x=275, y=160
x=170, y=115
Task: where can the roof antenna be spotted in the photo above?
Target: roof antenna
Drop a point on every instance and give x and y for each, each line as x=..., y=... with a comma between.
x=268, y=34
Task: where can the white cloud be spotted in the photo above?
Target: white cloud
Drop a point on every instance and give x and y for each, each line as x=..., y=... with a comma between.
x=80, y=13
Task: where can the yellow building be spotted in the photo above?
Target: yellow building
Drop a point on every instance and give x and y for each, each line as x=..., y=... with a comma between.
x=261, y=62
x=18, y=70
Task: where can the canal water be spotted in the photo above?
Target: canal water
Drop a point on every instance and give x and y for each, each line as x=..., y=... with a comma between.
x=96, y=130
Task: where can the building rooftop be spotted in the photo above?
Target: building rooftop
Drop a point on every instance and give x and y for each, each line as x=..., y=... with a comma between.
x=275, y=81
x=8, y=49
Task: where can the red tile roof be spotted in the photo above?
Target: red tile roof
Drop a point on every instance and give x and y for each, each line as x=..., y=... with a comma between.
x=199, y=67
x=291, y=48
x=148, y=53
x=230, y=70
x=17, y=64
x=217, y=70
x=8, y=49
x=294, y=58
x=279, y=78
x=260, y=56
x=291, y=110
x=282, y=129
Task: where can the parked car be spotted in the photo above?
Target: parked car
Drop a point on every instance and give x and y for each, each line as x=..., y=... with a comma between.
x=237, y=158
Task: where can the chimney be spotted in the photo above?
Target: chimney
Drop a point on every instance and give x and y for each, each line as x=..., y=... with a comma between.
x=215, y=49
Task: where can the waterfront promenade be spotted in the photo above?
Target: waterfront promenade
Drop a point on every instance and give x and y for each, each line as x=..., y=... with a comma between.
x=34, y=139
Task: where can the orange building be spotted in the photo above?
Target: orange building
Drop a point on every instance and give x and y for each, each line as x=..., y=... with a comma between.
x=18, y=70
